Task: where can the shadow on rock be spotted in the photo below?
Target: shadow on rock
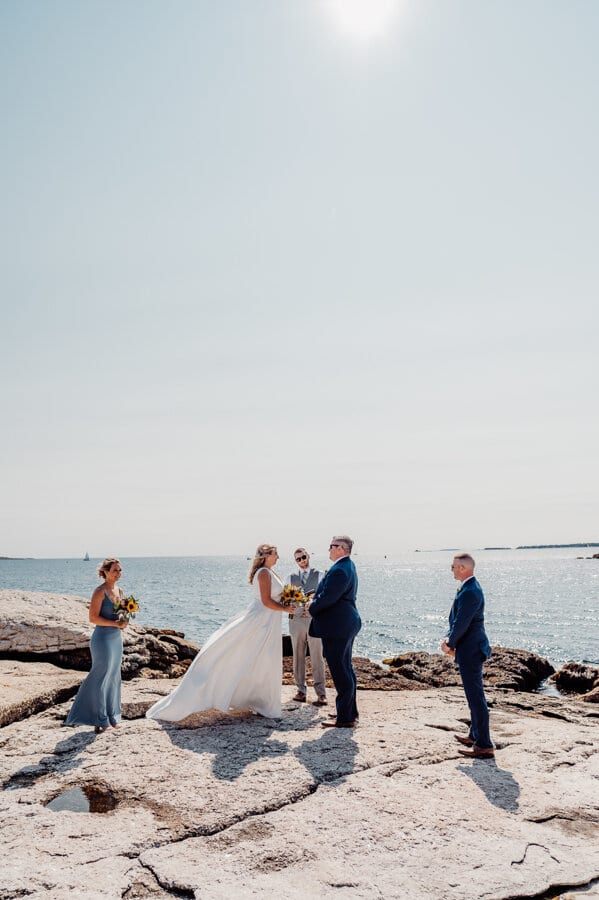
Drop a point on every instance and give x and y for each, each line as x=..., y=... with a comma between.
x=234, y=740
x=66, y=756
x=498, y=785
x=330, y=757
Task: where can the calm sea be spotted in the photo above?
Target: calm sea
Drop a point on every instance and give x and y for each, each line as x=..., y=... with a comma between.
x=540, y=600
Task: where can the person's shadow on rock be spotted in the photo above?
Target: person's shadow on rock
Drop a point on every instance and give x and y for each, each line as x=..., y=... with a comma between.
x=234, y=740
x=67, y=755
x=330, y=757
x=498, y=785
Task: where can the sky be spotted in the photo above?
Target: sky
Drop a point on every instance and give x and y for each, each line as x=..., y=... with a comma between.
x=274, y=270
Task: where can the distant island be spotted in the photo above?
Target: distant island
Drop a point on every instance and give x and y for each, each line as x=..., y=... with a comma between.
x=520, y=547
x=555, y=546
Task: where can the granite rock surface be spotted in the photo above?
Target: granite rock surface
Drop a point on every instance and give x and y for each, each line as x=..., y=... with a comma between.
x=55, y=628
x=236, y=805
x=28, y=688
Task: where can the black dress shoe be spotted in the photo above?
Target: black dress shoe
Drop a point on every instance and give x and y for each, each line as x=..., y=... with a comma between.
x=478, y=752
x=466, y=741
x=337, y=724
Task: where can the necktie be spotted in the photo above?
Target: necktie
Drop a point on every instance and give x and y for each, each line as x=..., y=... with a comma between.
x=304, y=576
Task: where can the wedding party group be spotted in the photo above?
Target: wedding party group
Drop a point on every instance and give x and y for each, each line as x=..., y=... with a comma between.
x=239, y=666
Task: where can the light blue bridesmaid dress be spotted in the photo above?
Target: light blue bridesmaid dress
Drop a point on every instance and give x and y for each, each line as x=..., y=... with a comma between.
x=98, y=701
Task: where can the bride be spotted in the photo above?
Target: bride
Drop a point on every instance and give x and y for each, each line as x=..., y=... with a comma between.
x=240, y=665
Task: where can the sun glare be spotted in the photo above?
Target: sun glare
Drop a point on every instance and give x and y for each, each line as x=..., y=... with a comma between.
x=363, y=19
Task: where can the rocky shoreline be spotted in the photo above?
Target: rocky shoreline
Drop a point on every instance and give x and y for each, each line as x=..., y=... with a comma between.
x=233, y=806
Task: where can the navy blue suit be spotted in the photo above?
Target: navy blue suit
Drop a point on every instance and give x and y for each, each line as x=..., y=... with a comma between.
x=467, y=636
x=336, y=621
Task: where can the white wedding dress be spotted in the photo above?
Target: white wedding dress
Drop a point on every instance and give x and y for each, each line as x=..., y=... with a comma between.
x=239, y=666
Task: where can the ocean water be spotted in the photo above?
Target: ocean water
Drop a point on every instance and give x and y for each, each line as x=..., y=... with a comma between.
x=540, y=600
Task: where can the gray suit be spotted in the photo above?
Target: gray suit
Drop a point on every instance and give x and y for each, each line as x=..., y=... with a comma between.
x=300, y=639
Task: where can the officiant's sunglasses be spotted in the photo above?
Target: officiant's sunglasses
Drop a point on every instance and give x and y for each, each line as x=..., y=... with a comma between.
x=301, y=558
x=334, y=545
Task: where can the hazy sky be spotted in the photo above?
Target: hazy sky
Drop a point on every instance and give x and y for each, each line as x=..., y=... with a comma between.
x=272, y=270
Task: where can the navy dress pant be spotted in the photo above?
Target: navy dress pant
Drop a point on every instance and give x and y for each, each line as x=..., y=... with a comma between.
x=471, y=672
x=338, y=654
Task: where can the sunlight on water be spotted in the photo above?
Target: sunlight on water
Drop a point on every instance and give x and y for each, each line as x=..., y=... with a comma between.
x=544, y=601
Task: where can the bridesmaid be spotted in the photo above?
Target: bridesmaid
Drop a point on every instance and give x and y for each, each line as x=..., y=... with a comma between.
x=98, y=701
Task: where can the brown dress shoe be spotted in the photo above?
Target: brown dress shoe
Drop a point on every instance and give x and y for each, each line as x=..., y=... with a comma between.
x=320, y=701
x=337, y=724
x=466, y=741
x=478, y=752
x=301, y=698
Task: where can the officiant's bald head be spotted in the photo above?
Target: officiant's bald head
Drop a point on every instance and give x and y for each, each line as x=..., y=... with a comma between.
x=462, y=566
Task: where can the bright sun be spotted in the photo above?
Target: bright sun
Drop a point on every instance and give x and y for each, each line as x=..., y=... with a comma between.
x=363, y=19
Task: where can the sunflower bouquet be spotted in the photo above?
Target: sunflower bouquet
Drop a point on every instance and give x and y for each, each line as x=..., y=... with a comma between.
x=126, y=608
x=293, y=596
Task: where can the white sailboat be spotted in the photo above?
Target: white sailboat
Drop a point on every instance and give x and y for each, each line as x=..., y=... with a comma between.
x=86, y=557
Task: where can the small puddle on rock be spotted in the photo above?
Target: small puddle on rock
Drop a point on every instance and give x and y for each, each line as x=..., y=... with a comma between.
x=87, y=799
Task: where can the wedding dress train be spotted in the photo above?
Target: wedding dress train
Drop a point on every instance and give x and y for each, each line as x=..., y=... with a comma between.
x=239, y=666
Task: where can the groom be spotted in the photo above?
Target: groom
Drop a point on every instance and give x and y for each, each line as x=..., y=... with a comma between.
x=335, y=619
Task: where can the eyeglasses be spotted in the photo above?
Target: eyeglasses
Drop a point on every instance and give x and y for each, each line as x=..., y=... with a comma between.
x=334, y=545
x=301, y=558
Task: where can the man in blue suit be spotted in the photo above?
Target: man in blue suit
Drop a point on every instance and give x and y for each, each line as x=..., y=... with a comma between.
x=336, y=621
x=467, y=641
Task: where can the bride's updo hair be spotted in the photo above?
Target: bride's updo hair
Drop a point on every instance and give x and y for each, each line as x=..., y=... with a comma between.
x=107, y=566
x=259, y=559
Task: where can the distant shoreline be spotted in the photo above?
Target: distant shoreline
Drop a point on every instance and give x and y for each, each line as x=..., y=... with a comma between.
x=579, y=546
x=553, y=546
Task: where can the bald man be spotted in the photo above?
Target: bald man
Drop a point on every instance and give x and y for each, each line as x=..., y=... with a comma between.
x=467, y=642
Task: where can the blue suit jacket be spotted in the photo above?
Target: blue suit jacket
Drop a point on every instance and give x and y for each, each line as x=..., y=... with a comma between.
x=333, y=609
x=467, y=635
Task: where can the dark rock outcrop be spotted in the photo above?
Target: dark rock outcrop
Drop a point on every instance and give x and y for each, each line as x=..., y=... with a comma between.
x=577, y=678
x=370, y=676
x=508, y=668
x=158, y=652
x=428, y=669
x=516, y=670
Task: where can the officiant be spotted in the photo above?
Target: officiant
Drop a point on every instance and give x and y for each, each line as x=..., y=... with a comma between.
x=308, y=580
